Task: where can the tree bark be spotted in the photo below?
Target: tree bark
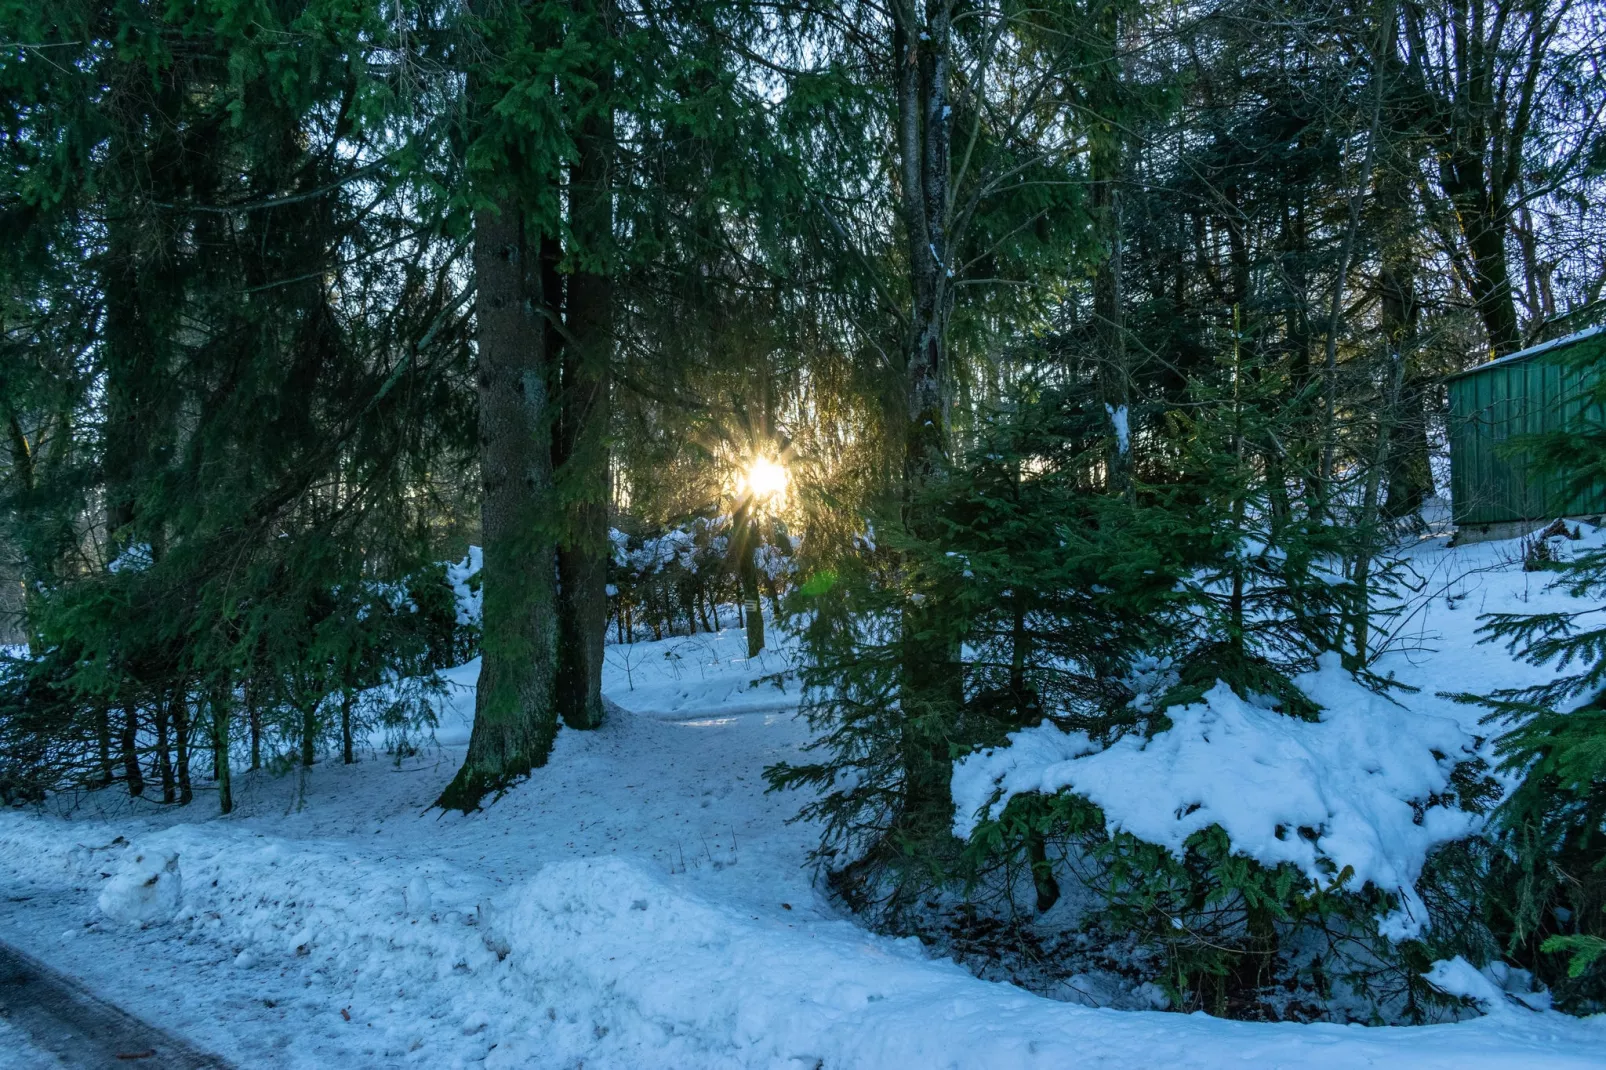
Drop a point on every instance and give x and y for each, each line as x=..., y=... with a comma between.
x=515, y=708
x=309, y=732
x=347, y=698
x=581, y=444
x=103, y=740
x=181, y=732
x=746, y=532
x=221, y=709
x=1410, y=477
x=13, y=605
x=1105, y=164
x=132, y=774
x=253, y=713
x=1484, y=225
x=164, y=753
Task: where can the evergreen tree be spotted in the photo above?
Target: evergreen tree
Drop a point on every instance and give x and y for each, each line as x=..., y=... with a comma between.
x=277, y=364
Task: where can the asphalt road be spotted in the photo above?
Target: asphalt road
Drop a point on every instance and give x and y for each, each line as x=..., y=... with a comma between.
x=59, y=1016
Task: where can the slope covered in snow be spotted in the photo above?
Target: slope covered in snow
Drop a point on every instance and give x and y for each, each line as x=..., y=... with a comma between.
x=639, y=902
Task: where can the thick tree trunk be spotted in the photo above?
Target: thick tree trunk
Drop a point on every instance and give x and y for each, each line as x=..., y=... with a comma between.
x=515, y=708
x=581, y=445
x=1484, y=88
x=1410, y=474
x=1484, y=226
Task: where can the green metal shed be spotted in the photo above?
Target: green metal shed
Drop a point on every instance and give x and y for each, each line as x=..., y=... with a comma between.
x=1543, y=388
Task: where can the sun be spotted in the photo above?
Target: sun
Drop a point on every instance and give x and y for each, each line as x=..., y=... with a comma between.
x=765, y=481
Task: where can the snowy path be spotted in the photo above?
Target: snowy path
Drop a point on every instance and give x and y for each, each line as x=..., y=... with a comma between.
x=639, y=903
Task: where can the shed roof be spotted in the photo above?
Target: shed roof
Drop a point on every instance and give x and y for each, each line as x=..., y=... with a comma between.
x=1533, y=351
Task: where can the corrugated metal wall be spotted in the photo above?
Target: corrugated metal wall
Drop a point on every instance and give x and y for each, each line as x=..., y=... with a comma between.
x=1490, y=406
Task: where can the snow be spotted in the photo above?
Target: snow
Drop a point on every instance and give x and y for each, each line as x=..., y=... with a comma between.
x=704, y=675
x=146, y=889
x=1324, y=796
x=1497, y=988
x=1458, y=977
x=137, y=558
x=1123, y=430
x=707, y=675
x=642, y=902
x=470, y=602
x=619, y=963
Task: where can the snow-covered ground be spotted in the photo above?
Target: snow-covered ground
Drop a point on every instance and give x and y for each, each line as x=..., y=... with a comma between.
x=640, y=902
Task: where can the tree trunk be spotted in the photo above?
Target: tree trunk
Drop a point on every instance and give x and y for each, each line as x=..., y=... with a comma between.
x=1369, y=537
x=132, y=774
x=1048, y=889
x=253, y=716
x=13, y=573
x=221, y=703
x=103, y=739
x=181, y=732
x=747, y=570
x=582, y=440
x=1109, y=331
x=309, y=732
x=164, y=754
x=347, y=697
x=515, y=709
x=930, y=694
x=13, y=604
x=1484, y=226
x=1410, y=477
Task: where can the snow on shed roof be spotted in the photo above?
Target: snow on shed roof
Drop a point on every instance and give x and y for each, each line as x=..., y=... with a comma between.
x=1534, y=351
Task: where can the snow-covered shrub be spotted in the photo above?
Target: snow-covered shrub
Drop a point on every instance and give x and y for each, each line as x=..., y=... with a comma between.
x=1216, y=838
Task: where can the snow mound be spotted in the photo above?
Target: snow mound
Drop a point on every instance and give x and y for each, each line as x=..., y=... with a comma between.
x=1354, y=791
x=146, y=889
x=1496, y=989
